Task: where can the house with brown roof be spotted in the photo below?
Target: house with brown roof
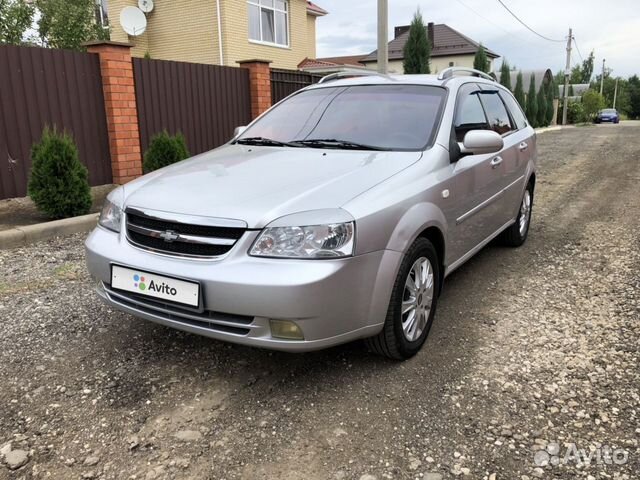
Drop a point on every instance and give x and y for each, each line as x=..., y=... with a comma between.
x=222, y=32
x=449, y=48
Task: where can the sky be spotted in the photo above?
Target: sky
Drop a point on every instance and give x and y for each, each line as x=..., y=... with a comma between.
x=609, y=27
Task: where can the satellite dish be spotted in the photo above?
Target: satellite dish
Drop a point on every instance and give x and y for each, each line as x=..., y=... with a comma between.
x=133, y=21
x=145, y=5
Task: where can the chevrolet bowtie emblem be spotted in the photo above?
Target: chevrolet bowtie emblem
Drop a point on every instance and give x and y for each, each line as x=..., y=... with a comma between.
x=169, y=236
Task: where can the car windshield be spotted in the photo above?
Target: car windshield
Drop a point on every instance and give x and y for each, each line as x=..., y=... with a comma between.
x=367, y=117
x=608, y=110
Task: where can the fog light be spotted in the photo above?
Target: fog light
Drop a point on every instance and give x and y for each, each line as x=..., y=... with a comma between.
x=285, y=329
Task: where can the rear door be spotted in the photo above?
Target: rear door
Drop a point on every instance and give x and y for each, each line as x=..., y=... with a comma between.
x=524, y=141
x=507, y=164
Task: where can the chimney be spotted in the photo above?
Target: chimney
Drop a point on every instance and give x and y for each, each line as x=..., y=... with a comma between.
x=430, y=33
x=400, y=30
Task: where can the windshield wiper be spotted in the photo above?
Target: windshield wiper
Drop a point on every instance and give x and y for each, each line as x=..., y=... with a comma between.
x=335, y=143
x=265, y=142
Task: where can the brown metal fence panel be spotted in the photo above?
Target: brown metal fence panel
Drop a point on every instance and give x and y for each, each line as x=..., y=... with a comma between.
x=61, y=88
x=204, y=102
x=285, y=82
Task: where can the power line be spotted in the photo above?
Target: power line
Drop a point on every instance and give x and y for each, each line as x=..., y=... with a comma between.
x=577, y=49
x=527, y=26
x=491, y=22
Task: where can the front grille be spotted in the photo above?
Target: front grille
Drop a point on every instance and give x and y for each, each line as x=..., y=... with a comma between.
x=222, y=322
x=180, y=239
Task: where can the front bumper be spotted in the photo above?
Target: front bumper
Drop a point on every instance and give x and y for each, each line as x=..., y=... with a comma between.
x=332, y=301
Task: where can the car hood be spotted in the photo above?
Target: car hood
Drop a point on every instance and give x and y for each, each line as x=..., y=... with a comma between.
x=259, y=184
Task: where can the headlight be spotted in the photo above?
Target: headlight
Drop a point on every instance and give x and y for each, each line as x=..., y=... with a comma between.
x=315, y=241
x=111, y=216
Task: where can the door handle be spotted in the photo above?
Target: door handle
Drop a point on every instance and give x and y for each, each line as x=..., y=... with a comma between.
x=495, y=162
x=523, y=146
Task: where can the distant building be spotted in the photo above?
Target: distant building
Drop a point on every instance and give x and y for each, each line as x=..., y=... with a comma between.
x=540, y=75
x=577, y=89
x=449, y=48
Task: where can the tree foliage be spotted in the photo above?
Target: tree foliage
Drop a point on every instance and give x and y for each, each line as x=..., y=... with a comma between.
x=541, y=118
x=69, y=23
x=164, y=150
x=58, y=184
x=634, y=97
x=519, y=91
x=480, y=61
x=582, y=73
x=505, y=74
x=417, y=50
x=552, y=92
x=592, y=102
x=16, y=16
x=532, y=103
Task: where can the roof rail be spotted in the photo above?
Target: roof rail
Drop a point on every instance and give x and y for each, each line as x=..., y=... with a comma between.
x=351, y=73
x=451, y=71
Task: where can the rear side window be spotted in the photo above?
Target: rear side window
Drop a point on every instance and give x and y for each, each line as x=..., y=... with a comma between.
x=497, y=115
x=514, y=109
x=469, y=112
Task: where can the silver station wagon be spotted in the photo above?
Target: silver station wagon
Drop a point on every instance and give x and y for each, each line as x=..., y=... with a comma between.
x=334, y=216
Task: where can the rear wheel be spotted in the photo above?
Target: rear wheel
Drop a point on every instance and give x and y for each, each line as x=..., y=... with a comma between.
x=412, y=306
x=516, y=234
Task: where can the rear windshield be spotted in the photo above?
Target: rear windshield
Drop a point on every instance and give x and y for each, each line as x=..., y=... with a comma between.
x=393, y=117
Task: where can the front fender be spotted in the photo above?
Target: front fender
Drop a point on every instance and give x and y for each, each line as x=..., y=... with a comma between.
x=415, y=221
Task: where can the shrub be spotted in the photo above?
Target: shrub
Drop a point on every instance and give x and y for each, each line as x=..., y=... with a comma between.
x=164, y=150
x=575, y=113
x=58, y=184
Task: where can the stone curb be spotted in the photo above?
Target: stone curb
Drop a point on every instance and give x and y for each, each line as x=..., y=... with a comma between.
x=21, y=236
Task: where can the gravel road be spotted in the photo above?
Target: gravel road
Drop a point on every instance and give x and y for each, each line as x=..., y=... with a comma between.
x=532, y=368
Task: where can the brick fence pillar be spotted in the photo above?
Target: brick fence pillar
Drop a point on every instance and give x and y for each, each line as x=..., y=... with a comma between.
x=259, y=84
x=118, y=87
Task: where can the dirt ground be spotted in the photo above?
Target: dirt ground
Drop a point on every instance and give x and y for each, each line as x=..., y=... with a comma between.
x=530, y=371
x=18, y=212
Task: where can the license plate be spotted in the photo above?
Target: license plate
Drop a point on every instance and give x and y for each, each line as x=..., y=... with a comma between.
x=156, y=286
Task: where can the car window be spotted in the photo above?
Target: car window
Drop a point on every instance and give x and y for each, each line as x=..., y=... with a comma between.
x=469, y=112
x=394, y=117
x=514, y=108
x=497, y=115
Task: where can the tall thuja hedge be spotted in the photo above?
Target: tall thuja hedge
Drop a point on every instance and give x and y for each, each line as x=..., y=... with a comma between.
x=532, y=103
x=542, y=107
x=59, y=183
x=551, y=94
x=519, y=91
x=480, y=61
x=505, y=74
x=417, y=50
x=164, y=150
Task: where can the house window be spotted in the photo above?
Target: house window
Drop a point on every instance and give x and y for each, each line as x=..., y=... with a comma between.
x=102, y=16
x=269, y=21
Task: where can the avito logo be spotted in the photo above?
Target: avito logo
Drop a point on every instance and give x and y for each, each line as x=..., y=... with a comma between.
x=139, y=282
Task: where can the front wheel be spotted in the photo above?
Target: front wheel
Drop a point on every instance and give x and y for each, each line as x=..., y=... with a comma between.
x=516, y=234
x=412, y=306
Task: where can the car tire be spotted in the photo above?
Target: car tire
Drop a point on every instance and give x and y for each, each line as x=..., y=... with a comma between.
x=398, y=340
x=516, y=234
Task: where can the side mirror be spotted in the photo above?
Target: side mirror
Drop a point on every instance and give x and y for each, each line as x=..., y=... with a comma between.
x=239, y=131
x=478, y=142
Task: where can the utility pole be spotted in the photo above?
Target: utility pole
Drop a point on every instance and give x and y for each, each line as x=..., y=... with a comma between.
x=567, y=72
x=602, y=78
x=383, y=35
x=615, y=94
